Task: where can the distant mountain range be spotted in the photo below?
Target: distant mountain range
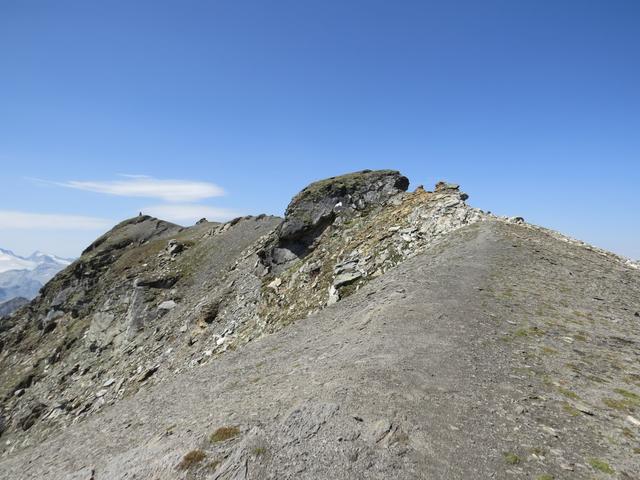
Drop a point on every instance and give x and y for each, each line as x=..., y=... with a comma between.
x=24, y=276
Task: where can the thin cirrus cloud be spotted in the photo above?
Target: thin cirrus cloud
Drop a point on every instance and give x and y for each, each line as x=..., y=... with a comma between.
x=11, y=219
x=189, y=213
x=149, y=187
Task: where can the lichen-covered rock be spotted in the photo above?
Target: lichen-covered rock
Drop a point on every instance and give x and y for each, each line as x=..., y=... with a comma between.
x=317, y=205
x=349, y=254
x=325, y=202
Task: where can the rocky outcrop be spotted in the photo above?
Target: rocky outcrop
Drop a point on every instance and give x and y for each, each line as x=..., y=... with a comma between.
x=352, y=253
x=140, y=299
x=325, y=202
x=317, y=205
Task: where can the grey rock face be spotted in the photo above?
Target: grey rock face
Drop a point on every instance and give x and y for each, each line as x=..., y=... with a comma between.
x=167, y=305
x=346, y=278
x=318, y=204
x=322, y=203
x=174, y=247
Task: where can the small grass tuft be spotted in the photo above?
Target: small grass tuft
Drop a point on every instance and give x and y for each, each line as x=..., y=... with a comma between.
x=568, y=393
x=541, y=452
x=601, y=466
x=259, y=451
x=528, y=332
x=570, y=409
x=546, y=476
x=511, y=458
x=224, y=433
x=191, y=459
x=629, y=402
x=634, y=397
x=613, y=403
x=549, y=351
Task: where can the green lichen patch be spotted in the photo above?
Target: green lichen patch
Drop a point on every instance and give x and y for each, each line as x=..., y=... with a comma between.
x=511, y=458
x=601, y=466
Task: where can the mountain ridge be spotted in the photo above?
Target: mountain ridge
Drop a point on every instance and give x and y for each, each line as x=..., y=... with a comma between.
x=363, y=310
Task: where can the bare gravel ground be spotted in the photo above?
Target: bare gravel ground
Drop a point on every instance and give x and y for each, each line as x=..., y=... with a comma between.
x=499, y=353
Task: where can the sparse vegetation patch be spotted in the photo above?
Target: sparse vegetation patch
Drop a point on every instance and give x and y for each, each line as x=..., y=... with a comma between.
x=511, y=458
x=224, y=433
x=191, y=459
x=601, y=466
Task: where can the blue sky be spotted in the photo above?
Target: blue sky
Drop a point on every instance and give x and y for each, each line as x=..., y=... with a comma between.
x=230, y=107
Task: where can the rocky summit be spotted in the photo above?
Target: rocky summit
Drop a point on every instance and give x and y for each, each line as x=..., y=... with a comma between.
x=372, y=333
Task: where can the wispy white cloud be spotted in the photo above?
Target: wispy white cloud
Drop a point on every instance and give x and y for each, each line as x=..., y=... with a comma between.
x=149, y=187
x=189, y=212
x=131, y=175
x=10, y=219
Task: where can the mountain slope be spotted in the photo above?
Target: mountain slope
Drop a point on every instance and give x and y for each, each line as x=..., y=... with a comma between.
x=453, y=365
x=374, y=333
x=10, y=306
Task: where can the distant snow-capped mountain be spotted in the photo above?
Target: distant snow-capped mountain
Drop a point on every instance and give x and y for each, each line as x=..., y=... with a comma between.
x=11, y=261
x=24, y=276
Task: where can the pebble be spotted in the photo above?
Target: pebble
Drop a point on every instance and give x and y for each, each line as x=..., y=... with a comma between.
x=633, y=420
x=167, y=305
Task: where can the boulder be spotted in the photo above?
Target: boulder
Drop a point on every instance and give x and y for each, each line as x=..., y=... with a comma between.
x=160, y=282
x=346, y=278
x=167, y=305
x=445, y=187
x=174, y=247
